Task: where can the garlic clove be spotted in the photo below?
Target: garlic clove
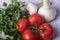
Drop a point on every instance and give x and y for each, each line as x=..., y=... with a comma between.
x=32, y=8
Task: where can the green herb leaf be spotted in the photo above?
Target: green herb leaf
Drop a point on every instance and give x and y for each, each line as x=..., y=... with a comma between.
x=1, y=19
x=7, y=22
x=1, y=39
x=22, y=4
x=5, y=4
x=14, y=2
x=16, y=15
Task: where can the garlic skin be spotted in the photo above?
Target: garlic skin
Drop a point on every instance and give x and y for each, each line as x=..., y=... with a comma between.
x=47, y=11
x=48, y=14
x=32, y=8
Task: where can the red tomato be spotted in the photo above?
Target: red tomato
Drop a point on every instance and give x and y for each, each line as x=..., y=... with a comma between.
x=28, y=35
x=22, y=25
x=35, y=19
x=46, y=31
x=37, y=36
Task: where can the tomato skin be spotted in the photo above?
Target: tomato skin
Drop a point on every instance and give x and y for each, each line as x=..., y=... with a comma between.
x=22, y=25
x=48, y=33
x=35, y=18
x=28, y=35
x=37, y=36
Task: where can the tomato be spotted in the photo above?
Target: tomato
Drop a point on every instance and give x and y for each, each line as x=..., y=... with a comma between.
x=28, y=35
x=37, y=36
x=46, y=31
x=22, y=25
x=35, y=19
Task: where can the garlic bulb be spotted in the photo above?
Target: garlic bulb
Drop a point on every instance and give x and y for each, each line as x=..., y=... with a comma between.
x=32, y=8
x=47, y=11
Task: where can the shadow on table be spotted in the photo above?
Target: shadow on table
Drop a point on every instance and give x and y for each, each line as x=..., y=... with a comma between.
x=58, y=13
x=55, y=35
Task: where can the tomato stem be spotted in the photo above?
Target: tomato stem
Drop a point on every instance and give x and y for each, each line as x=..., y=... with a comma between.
x=36, y=29
x=36, y=24
x=43, y=29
